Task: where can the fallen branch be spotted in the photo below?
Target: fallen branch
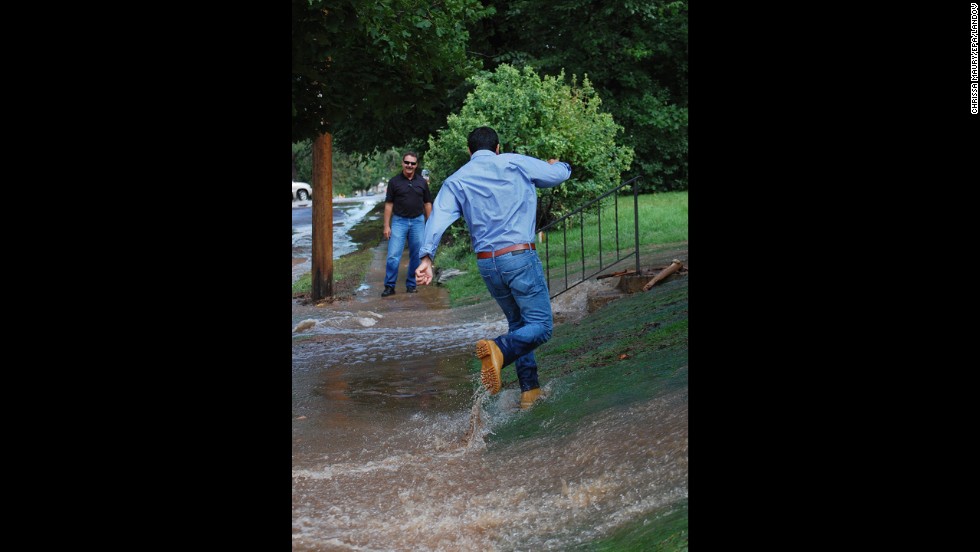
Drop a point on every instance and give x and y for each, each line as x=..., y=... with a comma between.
x=675, y=265
x=620, y=273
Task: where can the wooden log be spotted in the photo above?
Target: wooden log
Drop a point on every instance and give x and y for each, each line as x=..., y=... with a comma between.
x=675, y=265
x=620, y=273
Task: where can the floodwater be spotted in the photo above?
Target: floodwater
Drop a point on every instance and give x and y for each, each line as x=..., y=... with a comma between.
x=392, y=438
x=346, y=213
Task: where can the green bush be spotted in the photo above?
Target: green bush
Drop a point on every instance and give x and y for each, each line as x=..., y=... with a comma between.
x=542, y=117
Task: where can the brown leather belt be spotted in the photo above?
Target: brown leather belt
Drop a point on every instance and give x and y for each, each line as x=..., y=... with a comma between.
x=499, y=252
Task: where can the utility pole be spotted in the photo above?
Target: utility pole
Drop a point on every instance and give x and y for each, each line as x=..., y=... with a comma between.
x=322, y=269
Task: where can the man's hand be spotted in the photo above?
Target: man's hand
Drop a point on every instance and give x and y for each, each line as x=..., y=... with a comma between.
x=387, y=232
x=552, y=161
x=423, y=274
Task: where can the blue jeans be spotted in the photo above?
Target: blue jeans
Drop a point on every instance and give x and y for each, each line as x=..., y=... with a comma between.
x=518, y=285
x=402, y=227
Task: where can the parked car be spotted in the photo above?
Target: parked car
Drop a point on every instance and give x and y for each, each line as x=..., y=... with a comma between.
x=302, y=191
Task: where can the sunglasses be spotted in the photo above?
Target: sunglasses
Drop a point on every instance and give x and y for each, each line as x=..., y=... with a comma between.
x=410, y=163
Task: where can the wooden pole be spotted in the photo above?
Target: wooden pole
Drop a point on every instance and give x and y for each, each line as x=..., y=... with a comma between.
x=675, y=265
x=322, y=263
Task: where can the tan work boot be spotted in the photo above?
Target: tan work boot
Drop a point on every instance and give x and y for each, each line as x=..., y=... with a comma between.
x=493, y=361
x=528, y=397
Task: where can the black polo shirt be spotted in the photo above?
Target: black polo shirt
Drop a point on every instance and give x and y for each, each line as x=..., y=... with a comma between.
x=408, y=196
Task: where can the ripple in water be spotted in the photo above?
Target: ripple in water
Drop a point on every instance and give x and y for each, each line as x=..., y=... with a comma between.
x=432, y=486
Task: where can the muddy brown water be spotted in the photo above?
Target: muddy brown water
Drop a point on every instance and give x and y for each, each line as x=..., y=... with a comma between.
x=390, y=429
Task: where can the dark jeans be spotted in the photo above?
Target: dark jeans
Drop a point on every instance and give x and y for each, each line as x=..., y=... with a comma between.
x=518, y=285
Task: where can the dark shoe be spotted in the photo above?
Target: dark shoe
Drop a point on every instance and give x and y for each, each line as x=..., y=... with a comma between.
x=411, y=290
x=389, y=290
x=492, y=361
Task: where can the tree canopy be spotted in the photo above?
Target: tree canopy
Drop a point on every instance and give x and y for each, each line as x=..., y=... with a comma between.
x=377, y=73
x=634, y=52
x=383, y=73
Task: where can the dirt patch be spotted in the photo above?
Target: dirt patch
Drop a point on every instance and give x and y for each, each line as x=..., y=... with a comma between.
x=343, y=289
x=592, y=294
x=573, y=305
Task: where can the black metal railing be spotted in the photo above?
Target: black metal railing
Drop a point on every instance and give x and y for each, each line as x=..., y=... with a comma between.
x=564, y=223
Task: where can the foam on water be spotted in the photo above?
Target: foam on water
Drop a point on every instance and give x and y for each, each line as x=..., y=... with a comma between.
x=364, y=336
x=429, y=488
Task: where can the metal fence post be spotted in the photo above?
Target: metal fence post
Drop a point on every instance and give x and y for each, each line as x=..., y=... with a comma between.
x=636, y=221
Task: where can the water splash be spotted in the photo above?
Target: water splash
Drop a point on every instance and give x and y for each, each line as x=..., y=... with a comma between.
x=416, y=490
x=304, y=325
x=474, y=438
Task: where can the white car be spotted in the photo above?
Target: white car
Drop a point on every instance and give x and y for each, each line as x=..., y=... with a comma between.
x=302, y=191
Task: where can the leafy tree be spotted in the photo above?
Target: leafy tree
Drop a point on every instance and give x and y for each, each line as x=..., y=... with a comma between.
x=390, y=162
x=360, y=172
x=351, y=171
x=542, y=117
x=378, y=72
x=634, y=52
x=303, y=161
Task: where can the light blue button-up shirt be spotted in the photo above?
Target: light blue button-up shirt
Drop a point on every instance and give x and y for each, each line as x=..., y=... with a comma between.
x=495, y=195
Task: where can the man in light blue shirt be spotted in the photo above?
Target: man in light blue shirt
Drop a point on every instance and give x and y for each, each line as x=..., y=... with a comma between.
x=495, y=194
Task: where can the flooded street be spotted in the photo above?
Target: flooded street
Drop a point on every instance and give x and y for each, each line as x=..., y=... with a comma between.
x=392, y=437
x=346, y=213
x=363, y=365
x=416, y=485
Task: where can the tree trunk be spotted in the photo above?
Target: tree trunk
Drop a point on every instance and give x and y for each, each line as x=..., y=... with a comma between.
x=322, y=269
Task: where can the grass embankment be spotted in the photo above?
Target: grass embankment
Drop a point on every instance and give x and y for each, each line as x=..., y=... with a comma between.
x=649, y=328
x=662, y=220
x=664, y=531
x=349, y=269
x=630, y=351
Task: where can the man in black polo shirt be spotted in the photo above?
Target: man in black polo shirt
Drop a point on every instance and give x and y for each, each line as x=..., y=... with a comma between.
x=408, y=204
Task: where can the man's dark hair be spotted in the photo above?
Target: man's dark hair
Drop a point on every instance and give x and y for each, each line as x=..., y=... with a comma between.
x=482, y=138
x=412, y=153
